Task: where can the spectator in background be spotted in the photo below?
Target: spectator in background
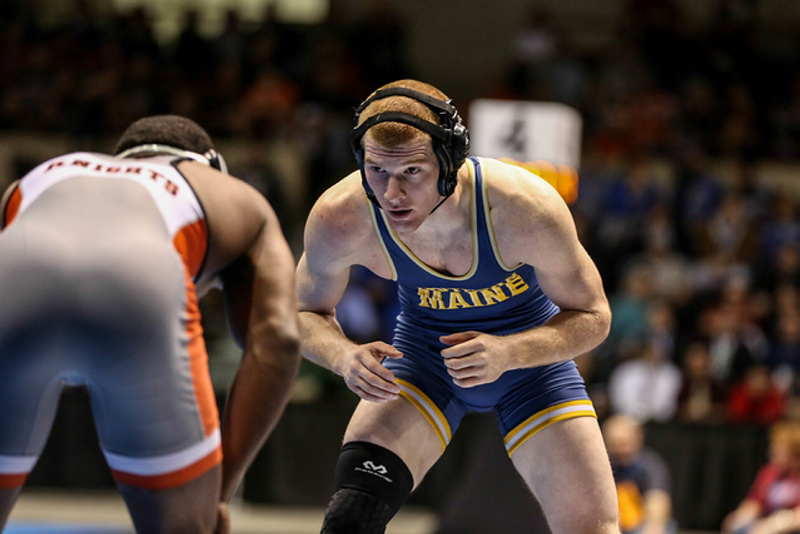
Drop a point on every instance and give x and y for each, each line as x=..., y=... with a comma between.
x=642, y=478
x=736, y=340
x=754, y=399
x=629, y=309
x=670, y=270
x=784, y=353
x=533, y=48
x=630, y=200
x=781, y=269
x=698, y=195
x=782, y=227
x=194, y=54
x=772, y=505
x=378, y=44
x=701, y=398
x=645, y=387
x=731, y=230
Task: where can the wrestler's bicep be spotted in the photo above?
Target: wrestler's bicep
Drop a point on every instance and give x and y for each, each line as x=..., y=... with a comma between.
x=573, y=284
x=319, y=286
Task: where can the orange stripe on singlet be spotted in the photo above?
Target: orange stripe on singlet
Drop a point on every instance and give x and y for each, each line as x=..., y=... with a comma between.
x=14, y=480
x=191, y=242
x=12, y=208
x=174, y=478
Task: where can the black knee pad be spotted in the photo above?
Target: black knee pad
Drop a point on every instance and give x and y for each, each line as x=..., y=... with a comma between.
x=355, y=512
x=371, y=482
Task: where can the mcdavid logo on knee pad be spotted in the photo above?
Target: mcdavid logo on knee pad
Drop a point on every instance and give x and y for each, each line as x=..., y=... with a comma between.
x=371, y=468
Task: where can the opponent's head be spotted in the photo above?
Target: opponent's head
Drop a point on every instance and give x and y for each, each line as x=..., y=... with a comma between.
x=169, y=134
x=404, y=110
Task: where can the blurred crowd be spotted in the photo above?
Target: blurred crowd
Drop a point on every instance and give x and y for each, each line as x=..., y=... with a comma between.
x=698, y=246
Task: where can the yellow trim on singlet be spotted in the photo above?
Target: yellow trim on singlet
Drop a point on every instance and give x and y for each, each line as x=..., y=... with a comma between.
x=380, y=241
x=489, y=225
x=428, y=409
x=474, y=221
x=545, y=418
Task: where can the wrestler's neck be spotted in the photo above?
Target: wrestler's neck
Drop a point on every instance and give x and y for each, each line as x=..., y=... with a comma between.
x=451, y=217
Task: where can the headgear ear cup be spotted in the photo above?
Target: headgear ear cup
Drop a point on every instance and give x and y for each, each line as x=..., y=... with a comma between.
x=450, y=136
x=216, y=160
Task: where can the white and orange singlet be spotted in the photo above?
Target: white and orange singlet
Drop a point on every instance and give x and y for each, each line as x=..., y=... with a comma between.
x=98, y=262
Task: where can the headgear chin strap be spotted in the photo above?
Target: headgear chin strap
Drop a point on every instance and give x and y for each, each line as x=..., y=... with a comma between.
x=450, y=136
x=211, y=157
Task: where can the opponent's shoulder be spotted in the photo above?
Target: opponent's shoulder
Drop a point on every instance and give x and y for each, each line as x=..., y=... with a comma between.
x=237, y=215
x=219, y=192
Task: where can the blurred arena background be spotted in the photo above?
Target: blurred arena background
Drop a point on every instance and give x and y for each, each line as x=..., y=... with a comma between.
x=688, y=155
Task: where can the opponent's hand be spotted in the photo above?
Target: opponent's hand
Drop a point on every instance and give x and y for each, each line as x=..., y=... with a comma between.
x=366, y=376
x=473, y=358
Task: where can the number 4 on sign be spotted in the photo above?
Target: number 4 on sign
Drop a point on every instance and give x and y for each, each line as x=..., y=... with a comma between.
x=516, y=139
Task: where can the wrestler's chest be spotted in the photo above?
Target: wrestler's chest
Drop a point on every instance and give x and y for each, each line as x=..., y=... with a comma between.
x=453, y=256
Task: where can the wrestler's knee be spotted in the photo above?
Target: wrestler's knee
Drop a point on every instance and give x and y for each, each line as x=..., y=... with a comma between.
x=371, y=484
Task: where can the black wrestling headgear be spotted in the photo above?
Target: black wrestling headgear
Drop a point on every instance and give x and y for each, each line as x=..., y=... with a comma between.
x=450, y=136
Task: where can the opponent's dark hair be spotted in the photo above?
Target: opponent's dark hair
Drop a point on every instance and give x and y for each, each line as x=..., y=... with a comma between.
x=170, y=134
x=450, y=136
x=173, y=130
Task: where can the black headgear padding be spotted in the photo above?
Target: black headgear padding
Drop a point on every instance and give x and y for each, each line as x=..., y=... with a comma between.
x=450, y=136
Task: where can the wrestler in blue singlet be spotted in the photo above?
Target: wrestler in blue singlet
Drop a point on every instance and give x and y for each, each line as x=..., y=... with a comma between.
x=490, y=298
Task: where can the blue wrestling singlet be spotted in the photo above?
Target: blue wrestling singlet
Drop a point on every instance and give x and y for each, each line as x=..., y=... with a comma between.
x=491, y=298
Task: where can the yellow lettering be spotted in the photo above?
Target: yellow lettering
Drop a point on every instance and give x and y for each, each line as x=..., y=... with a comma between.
x=493, y=294
x=516, y=284
x=458, y=298
x=457, y=301
x=430, y=298
x=473, y=294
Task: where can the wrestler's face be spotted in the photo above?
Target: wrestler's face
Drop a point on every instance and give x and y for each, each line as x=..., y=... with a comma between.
x=404, y=179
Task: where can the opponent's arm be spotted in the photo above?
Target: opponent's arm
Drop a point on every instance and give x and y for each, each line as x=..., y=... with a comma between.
x=533, y=225
x=332, y=238
x=261, y=308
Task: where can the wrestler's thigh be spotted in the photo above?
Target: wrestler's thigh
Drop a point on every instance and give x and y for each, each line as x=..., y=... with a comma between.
x=400, y=427
x=567, y=468
x=190, y=507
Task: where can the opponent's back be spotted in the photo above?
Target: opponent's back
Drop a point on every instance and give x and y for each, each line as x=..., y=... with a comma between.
x=105, y=199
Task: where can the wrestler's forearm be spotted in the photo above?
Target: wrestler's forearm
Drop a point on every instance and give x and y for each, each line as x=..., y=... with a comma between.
x=566, y=335
x=322, y=340
x=256, y=401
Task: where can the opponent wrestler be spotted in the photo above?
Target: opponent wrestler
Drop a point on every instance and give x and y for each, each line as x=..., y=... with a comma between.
x=497, y=298
x=101, y=259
